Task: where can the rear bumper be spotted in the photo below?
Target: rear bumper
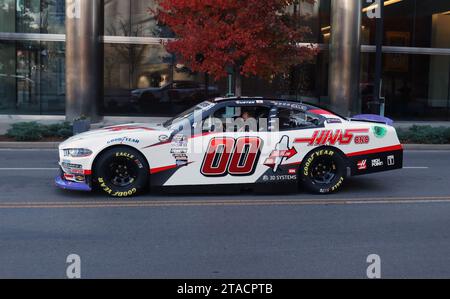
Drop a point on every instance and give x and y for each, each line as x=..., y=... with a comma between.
x=376, y=161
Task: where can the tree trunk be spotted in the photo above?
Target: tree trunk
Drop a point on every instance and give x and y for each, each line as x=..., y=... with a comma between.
x=238, y=83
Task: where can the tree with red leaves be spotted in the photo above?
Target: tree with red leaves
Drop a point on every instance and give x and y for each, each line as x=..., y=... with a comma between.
x=251, y=37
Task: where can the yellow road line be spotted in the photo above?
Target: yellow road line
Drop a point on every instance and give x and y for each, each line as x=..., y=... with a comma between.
x=212, y=203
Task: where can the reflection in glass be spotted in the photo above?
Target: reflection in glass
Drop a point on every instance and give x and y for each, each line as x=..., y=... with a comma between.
x=32, y=16
x=415, y=86
x=132, y=18
x=146, y=80
x=411, y=23
x=7, y=16
x=32, y=78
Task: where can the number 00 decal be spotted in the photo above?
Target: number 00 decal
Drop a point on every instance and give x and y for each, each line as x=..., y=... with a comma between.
x=229, y=156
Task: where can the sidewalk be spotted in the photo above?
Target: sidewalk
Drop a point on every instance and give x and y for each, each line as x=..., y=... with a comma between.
x=408, y=124
x=7, y=120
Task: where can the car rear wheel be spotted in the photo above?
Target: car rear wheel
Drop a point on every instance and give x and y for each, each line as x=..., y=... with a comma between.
x=323, y=171
x=121, y=172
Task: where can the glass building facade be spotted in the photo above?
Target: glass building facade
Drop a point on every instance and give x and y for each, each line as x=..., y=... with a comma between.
x=140, y=78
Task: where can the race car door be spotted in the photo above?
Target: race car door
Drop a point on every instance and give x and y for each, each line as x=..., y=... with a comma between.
x=229, y=146
x=293, y=123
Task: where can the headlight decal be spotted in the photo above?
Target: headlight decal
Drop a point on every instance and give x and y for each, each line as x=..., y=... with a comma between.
x=77, y=152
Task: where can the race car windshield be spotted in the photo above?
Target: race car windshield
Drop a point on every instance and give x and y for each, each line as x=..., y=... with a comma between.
x=190, y=114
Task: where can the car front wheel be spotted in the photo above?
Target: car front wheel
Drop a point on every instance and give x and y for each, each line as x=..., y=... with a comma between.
x=121, y=172
x=323, y=171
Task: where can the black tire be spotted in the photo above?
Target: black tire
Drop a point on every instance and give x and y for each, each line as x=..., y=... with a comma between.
x=121, y=172
x=323, y=171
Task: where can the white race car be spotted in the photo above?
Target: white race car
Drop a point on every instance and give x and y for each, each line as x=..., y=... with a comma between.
x=244, y=142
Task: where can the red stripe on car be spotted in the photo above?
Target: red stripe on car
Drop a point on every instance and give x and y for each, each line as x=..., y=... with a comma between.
x=165, y=168
x=170, y=141
x=161, y=169
x=377, y=150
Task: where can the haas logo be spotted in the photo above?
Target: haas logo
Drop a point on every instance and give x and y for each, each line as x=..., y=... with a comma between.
x=336, y=137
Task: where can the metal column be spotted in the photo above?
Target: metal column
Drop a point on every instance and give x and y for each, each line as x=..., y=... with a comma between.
x=378, y=83
x=84, y=80
x=345, y=51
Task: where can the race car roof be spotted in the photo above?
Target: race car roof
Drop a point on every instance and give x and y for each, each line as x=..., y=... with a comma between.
x=279, y=103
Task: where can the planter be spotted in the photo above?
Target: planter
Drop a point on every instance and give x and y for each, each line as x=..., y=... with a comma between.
x=81, y=126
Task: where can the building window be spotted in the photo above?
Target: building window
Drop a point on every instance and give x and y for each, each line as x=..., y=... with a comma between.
x=32, y=78
x=146, y=80
x=132, y=18
x=32, y=16
x=412, y=23
x=416, y=87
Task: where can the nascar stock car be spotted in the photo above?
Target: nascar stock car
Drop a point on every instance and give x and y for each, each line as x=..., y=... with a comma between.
x=231, y=142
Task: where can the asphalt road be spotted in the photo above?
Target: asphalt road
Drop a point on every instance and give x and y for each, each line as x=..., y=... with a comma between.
x=403, y=216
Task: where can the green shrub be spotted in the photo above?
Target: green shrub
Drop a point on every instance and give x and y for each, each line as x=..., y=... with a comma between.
x=425, y=135
x=33, y=131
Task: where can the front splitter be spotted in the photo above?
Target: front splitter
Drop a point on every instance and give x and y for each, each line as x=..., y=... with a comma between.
x=74, y=186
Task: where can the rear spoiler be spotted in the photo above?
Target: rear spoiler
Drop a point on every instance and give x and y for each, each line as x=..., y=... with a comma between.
x=373, y=118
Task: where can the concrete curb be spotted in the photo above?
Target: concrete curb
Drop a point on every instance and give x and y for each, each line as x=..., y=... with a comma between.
x=427, y=147
x=54, y=145
x=29, y=145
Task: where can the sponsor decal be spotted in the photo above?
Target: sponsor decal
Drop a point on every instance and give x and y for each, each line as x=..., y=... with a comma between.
x=68, y=165
x=180, y=141
x=293, y=171
x=122, y=140
x=73, y=169
x=279, y=178
x=180, y=150
x=377, y=163
x=290, y=105
x=314, y=156
x=107, y=189
x=362, y=139
x=163, y=138
x=180, y=156
x=80, y=178
x=74, y=178
x=76, y=171
x=362, y=165
x=334, y=121
x=125, y=155
x=338, y=184
x=391, y=160
x=330, y=137
x=248, y=102
x=379, y=132
x=281, y=153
